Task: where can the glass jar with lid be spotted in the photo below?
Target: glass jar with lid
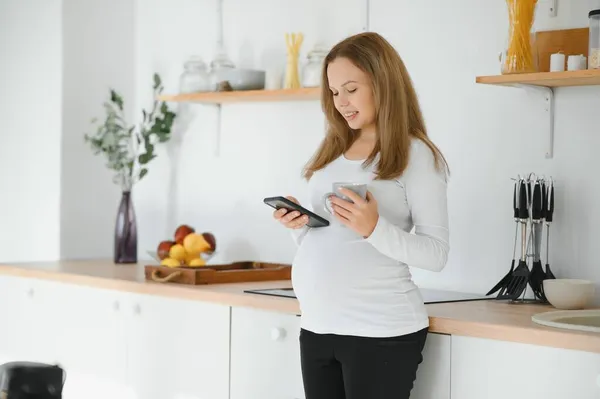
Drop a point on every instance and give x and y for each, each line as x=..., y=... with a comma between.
x=594, y=40
x=195, y=76
x=311, y=73
x=220, y=66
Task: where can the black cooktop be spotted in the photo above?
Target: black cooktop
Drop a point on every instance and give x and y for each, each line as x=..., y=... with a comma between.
x=429, y=295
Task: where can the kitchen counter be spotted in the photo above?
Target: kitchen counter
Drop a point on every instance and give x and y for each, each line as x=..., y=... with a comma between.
x=485, y=319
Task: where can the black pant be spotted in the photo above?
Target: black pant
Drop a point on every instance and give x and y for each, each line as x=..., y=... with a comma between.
x=348, y=367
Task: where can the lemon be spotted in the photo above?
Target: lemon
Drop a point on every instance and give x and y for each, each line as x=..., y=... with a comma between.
x=170, y=262
x=189, y=257
x=177, y=252
x=197, y=262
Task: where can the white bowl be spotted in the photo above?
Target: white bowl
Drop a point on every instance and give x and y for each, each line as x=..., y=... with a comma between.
x=568, y=293
x=242, y=79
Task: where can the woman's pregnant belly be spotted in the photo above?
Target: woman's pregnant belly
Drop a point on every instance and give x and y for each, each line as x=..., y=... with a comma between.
x=343, y=282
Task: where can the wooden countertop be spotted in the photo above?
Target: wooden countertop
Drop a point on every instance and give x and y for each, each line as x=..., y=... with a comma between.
x=485, y=319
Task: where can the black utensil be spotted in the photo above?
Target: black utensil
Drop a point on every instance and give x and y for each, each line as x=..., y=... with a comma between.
x=548, y=212
x=504, y=281
x=520, y=275
x=537, y=275
x=544, y=198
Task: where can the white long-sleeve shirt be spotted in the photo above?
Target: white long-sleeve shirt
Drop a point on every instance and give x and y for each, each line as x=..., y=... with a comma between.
x=346, y=284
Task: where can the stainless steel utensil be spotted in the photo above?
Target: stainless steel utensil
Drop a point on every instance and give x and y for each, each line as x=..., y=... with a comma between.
x=548, y=215
x=537, y=275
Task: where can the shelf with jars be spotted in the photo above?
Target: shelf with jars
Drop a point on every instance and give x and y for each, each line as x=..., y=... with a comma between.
x=543, y=61
x=225, y=97
x=224, y=83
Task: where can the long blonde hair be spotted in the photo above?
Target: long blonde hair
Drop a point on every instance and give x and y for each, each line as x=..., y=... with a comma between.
x=398, y=114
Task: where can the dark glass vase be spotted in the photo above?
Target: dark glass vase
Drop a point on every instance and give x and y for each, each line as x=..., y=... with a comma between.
x=125, y=250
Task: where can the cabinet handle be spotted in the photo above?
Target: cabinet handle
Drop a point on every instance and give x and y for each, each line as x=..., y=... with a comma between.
x=116, y=306
x=31, y=293
x=277, y=334
x=137, y=309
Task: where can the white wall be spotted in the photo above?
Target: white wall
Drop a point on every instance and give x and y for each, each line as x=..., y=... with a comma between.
x=98, y=39
x=30, y=106
x=263, y=146
x=489, y=134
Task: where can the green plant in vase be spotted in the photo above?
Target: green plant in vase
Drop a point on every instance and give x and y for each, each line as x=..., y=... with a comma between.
x=128, y=150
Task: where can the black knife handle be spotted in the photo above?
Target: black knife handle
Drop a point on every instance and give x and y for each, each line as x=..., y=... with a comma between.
x=536, y=203
x=523, y=200
x=544, y=199
x=515, y=207
x=550, y=207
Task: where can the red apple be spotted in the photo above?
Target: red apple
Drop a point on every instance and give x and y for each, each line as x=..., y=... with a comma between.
x=183, y=231
x=212, y=241
x=163, y=249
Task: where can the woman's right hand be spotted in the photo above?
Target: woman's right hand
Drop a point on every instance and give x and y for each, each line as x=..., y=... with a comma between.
x=293, y=219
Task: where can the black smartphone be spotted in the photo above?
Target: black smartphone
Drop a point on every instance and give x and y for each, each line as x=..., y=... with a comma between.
x=314, y=220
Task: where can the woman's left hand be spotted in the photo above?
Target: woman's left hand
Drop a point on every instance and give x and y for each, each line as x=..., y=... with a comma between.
x=361, y=216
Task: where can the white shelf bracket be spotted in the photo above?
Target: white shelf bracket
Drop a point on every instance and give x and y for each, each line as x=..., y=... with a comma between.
x=548, y=97
x=217, y=143
x=218, y=132
x=367, y=16
x=552, y=12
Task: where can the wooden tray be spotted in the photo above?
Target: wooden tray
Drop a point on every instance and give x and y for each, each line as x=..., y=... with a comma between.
x=236, y=272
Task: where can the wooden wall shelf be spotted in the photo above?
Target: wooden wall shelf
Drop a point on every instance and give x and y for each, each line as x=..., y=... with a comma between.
x=225, y=97
x=587, y=77
x=569, y=42
x=545, y=83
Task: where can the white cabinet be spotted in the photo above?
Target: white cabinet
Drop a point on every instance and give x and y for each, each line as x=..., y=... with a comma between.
x=133, y=346
x=265, y=355
x=483, y=368
x=433, y=375
x=16, y=330
x=115, y=344
x=74, y=326
x=177, y=349
x=265, y=358
x=85, y=331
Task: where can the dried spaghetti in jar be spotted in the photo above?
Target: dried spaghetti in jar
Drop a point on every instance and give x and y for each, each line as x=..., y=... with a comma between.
x=520, y=55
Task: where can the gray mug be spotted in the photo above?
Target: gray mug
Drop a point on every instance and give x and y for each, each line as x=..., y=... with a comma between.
x=359, y=188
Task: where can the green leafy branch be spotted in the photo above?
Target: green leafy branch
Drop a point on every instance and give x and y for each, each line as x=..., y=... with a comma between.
x=128, y=150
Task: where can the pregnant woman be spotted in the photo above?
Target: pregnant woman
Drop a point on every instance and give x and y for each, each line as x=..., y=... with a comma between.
x=364, y=323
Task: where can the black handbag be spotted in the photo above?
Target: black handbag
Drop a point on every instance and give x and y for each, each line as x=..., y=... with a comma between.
x=31, y=380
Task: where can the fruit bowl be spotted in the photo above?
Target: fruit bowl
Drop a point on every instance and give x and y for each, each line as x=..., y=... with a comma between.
x=187, y=247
